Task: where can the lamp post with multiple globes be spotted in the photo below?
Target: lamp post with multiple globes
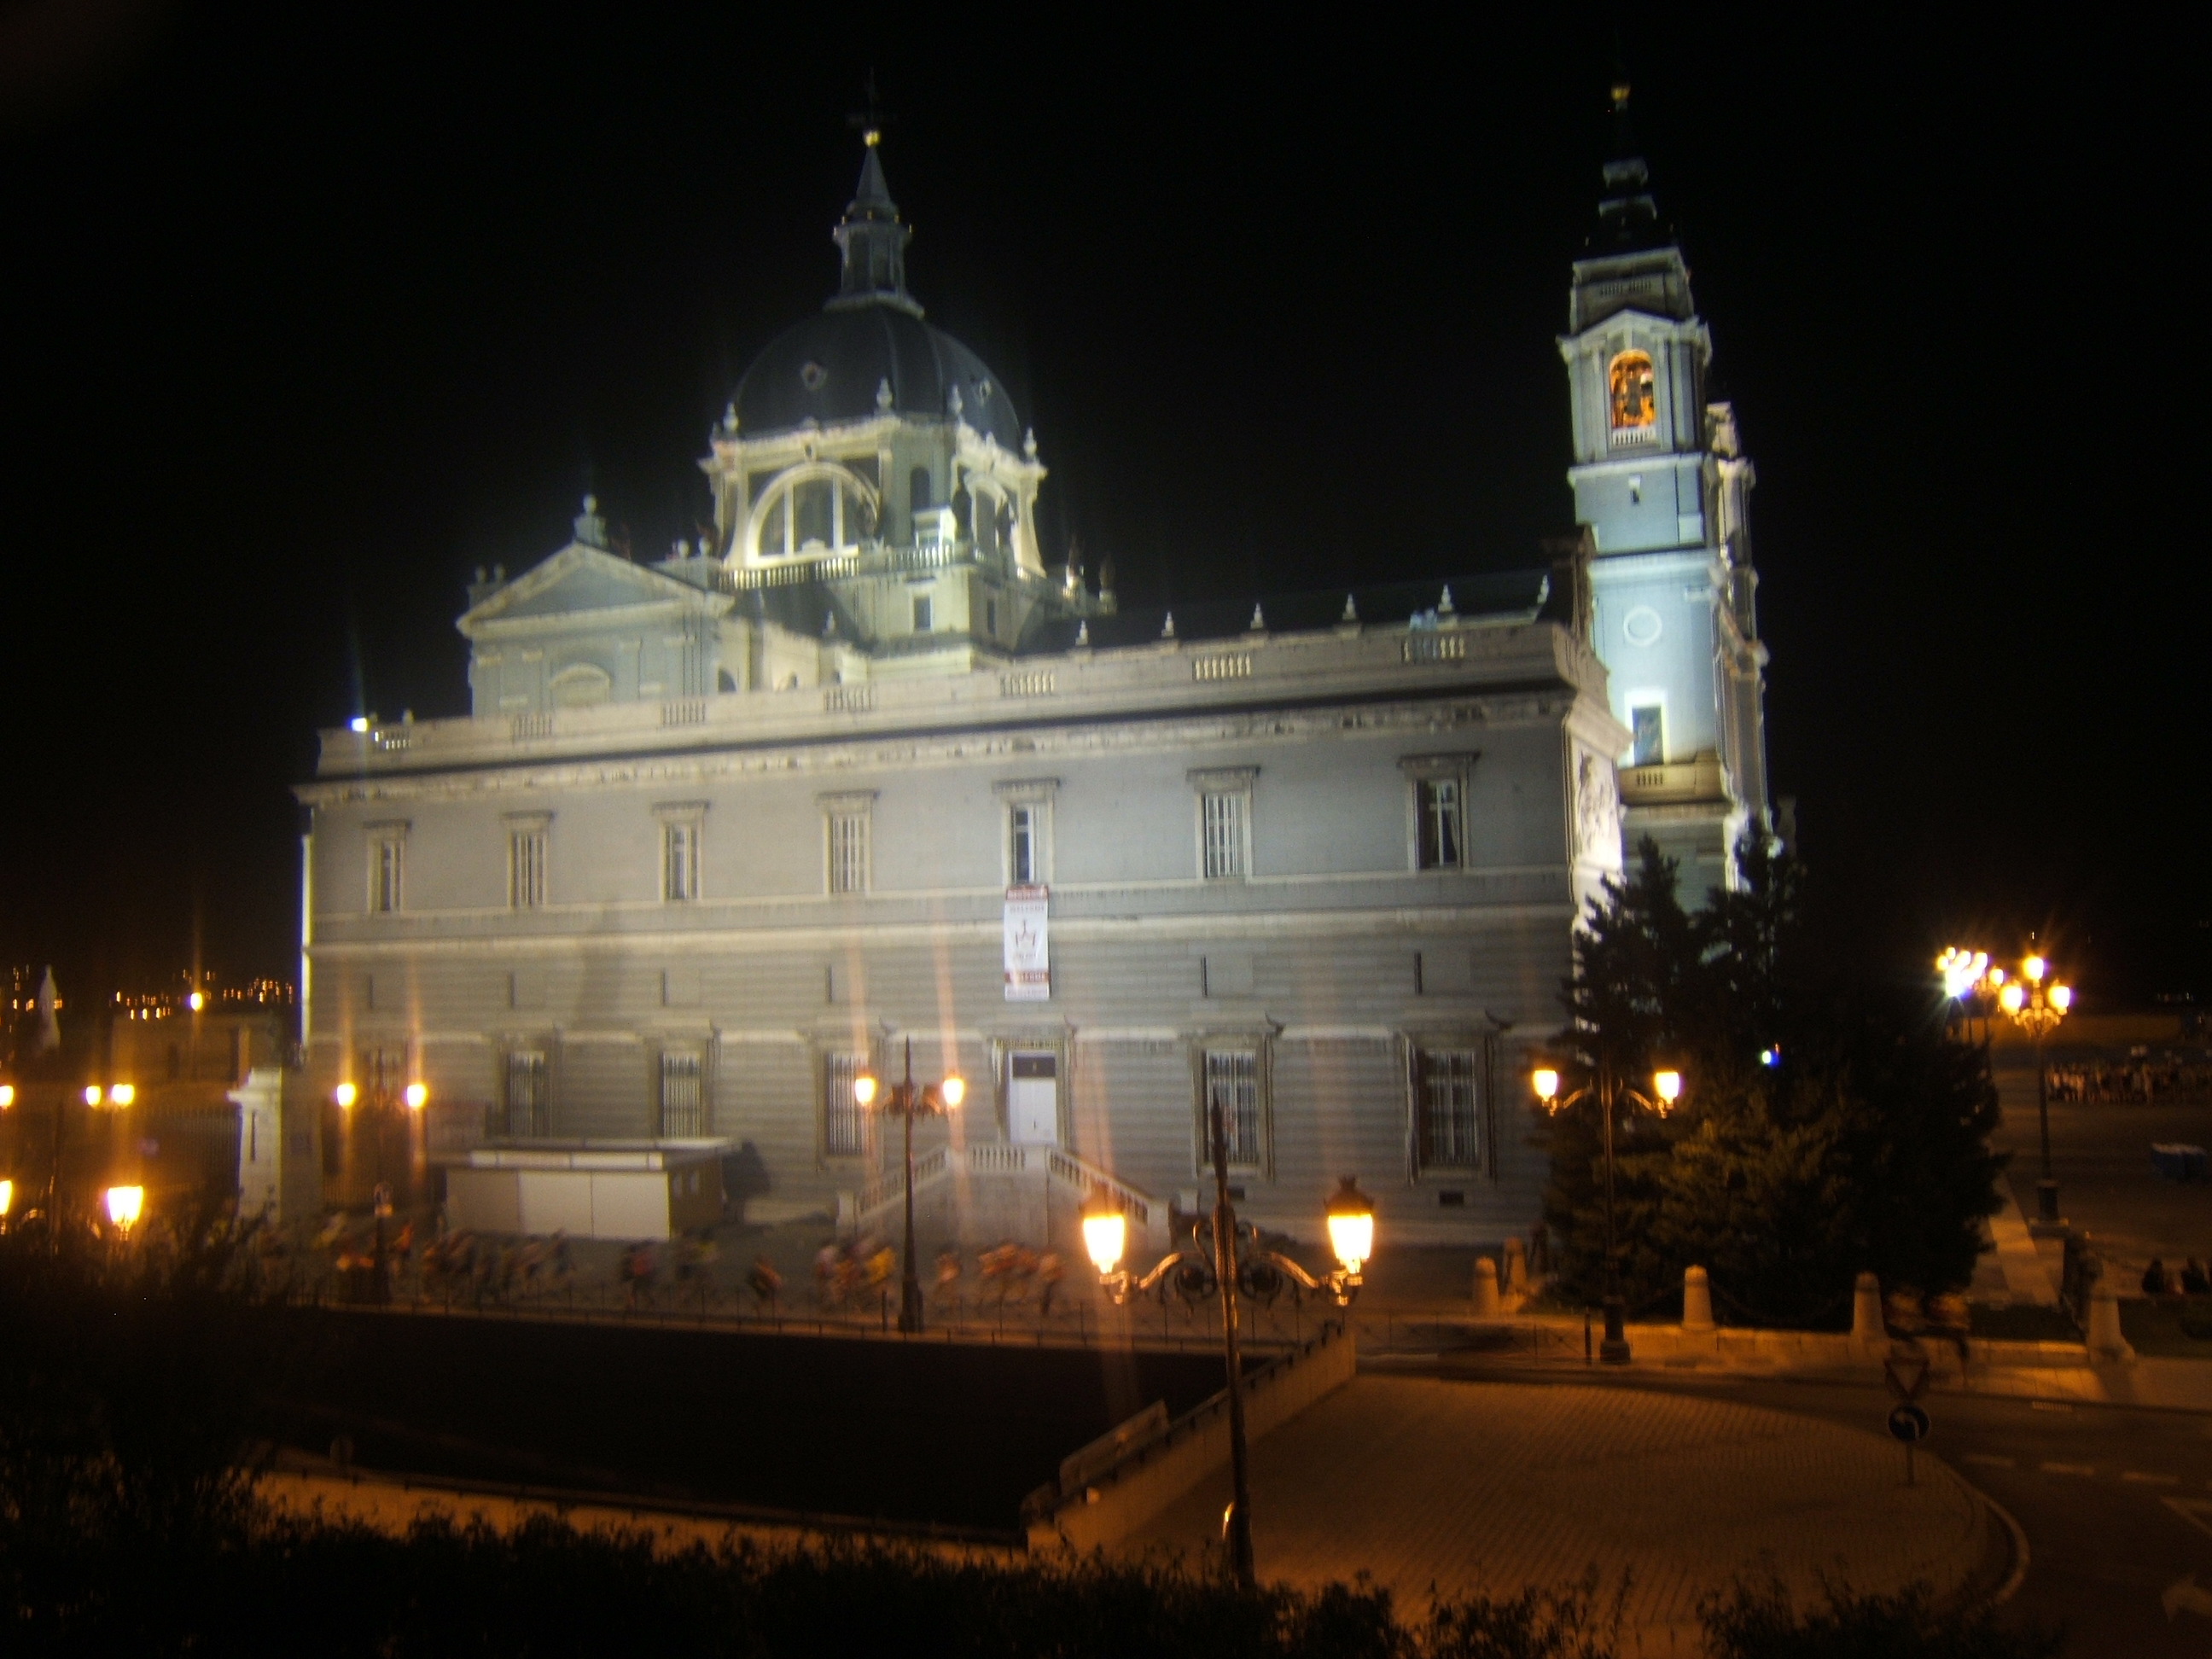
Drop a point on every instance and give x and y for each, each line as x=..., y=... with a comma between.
x=910, y=1101
x=1607, y=1089
x=1224, y=1267
x=2036, y=1002
x=378, y=1103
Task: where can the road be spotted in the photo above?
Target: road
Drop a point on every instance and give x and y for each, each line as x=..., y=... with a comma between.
x=2116, y=1504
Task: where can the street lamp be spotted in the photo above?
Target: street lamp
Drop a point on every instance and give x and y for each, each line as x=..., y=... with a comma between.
x=2037, y=1003
x=380, y=1105
x=910, y=1101
x=1351, y=1218
x=125, y=1206
x=1608, y=1090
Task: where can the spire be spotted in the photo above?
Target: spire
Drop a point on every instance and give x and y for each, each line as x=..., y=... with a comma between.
x=1627, y=214
x=870, y=237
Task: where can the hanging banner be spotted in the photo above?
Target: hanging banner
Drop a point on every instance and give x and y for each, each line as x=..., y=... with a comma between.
x=1028, y=967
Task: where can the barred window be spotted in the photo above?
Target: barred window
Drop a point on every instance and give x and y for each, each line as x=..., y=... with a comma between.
x=529, y=1102
x=683, y=1093
x=1439, y=837
x=1232, y=1083
x=680, y=862
x=1450, y=1137
x=1224, y=817
x=848, y=852
x=525, y=869
x=842, y=1119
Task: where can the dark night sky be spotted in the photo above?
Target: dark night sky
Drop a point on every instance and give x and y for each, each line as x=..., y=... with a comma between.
x=302, y=320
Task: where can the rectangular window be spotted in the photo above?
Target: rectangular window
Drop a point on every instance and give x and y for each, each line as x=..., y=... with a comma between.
x=387, y=856
x=921, y=613
x=529, y=1104
x=1450, y=1136
x=683, y=1093
x=1232, y=1083
x=848, y=851
x=525, y=869
x=991, y=618
x=1649, y=722
x=1022, y=865
x=1223, y=815
x=1439, y=839
x=679, y=847
x=842, y=1125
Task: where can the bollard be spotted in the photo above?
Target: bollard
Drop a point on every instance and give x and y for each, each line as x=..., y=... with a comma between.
x=1485, y=1288
x=1869, y=1334
x=1516, y=1267
x=1697, y=1301
x=2106, y=1342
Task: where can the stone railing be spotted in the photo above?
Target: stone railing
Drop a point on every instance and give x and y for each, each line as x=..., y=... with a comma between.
x=876, y=1202
x=1668, y=782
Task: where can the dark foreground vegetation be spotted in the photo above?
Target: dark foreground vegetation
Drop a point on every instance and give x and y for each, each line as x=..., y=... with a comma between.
x=134, y=1383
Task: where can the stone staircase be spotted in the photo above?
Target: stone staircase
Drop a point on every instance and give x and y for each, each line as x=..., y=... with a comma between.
x=994, y=1189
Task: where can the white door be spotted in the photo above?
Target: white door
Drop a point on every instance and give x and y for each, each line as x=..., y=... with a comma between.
x=1033, y=1098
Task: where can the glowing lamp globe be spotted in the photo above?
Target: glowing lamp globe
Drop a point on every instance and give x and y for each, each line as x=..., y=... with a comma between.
x=7, y=1196
x=1669, y=1086
x=2012, y=997
x=345, y=1094
x=196, y=1002
x=1352, y=1225
x=1105, y=1236
x=1545, y=1080
x=122, y=1094
x=92, y=1094
x=954, y=1090
x=6, y=1095
x=418, y=1096
x=2034, y=968
x=864, y=1090
x=126, y=1205
x=2062, y=997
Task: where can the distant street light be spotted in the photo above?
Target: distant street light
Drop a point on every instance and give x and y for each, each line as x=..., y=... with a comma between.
x=380, y=1104
x=910, y=1101
x=1607, y=1089
x=2037, y=1003
x=125, y=1206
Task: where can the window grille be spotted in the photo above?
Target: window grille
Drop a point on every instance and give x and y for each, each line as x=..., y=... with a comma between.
x=385, y=874
x=1224, y=833
x=1232, y=1083
x=680, y=848
x=683, y=1096
x=525, y=869
x=841, y=1120
x=1449, y=1137
x=528, y=1102
x=1439, y=838
x=848, y=852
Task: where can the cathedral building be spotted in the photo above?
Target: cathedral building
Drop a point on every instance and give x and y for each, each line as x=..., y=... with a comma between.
x=863, y=776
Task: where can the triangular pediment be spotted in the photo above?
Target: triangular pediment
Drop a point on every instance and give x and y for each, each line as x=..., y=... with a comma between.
x=580, y=582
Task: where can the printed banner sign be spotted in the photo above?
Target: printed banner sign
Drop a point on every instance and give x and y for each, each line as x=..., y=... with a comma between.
x=1028, y=966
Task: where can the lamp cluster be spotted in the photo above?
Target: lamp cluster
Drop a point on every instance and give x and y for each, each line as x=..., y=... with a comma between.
x=1349, y=1216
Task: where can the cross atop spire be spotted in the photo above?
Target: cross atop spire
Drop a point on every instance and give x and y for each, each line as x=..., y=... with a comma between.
x=870, y=237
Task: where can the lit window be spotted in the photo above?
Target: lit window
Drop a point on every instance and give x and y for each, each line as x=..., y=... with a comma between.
x=849, y=849
x=1449, y=1135
x=528, y=1102
x=1648, y=722
x=1630, y=384
x=922, y=611
x=387, y=852
x=683, y=1093
x=1232, y=1083
x=526, y=868
x=816, y=510
x=679, y=861
x=1439, y=837
x=842, y=1122
x=1224, y=818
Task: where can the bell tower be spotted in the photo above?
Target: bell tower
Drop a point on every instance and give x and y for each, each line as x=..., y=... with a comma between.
x=1660, y=481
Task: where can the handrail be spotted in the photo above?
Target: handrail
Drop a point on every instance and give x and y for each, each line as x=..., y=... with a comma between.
x=998, y=1157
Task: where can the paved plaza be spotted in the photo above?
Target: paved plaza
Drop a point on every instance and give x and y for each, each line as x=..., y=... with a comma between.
x=1462, y=1487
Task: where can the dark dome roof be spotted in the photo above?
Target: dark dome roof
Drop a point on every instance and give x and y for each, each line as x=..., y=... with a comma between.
x=827, y=369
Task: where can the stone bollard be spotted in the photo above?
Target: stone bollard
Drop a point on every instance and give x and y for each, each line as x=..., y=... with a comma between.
x=1697, y=1301
x=1516, y=1267
x=1869, y=1334
x=2106, y=1342
x=1485, y=1288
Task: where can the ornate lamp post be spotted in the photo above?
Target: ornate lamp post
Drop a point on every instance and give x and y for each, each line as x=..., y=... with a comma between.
x=1608, y=1090
x=910, y=1101
x=1207, y=1265
x=2037, y=1003
x=380, y=1104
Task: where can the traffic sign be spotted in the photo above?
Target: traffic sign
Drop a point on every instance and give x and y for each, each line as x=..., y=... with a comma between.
x=1907, y=1375
x=1909, y=1423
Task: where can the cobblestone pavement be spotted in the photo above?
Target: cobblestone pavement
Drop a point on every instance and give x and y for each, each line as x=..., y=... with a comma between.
x=1458, y=1487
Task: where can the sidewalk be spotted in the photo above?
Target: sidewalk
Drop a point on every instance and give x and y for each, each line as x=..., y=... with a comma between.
x=1439, y=1487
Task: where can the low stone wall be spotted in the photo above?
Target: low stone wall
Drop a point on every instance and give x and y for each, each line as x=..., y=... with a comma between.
x=1121, y=1499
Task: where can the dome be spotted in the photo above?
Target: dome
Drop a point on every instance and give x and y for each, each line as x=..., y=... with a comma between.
x=829, y=368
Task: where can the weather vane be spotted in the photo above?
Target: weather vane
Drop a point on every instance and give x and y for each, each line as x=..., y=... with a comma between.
x=871, y=122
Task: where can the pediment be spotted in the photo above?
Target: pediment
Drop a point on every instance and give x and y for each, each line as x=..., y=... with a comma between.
x=580, y=582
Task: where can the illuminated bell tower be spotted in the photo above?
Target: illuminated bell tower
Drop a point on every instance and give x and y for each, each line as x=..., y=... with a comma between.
x=1660, y=480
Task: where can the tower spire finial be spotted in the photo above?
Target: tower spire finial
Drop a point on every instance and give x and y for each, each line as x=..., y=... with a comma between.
x=870, y=237
x=1627, y=213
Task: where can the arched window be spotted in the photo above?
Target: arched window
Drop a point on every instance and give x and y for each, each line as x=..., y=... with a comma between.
x=812, y=511
x=1630, y=382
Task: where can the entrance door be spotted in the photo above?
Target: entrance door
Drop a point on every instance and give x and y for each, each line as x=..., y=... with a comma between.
x=1033, y=1098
